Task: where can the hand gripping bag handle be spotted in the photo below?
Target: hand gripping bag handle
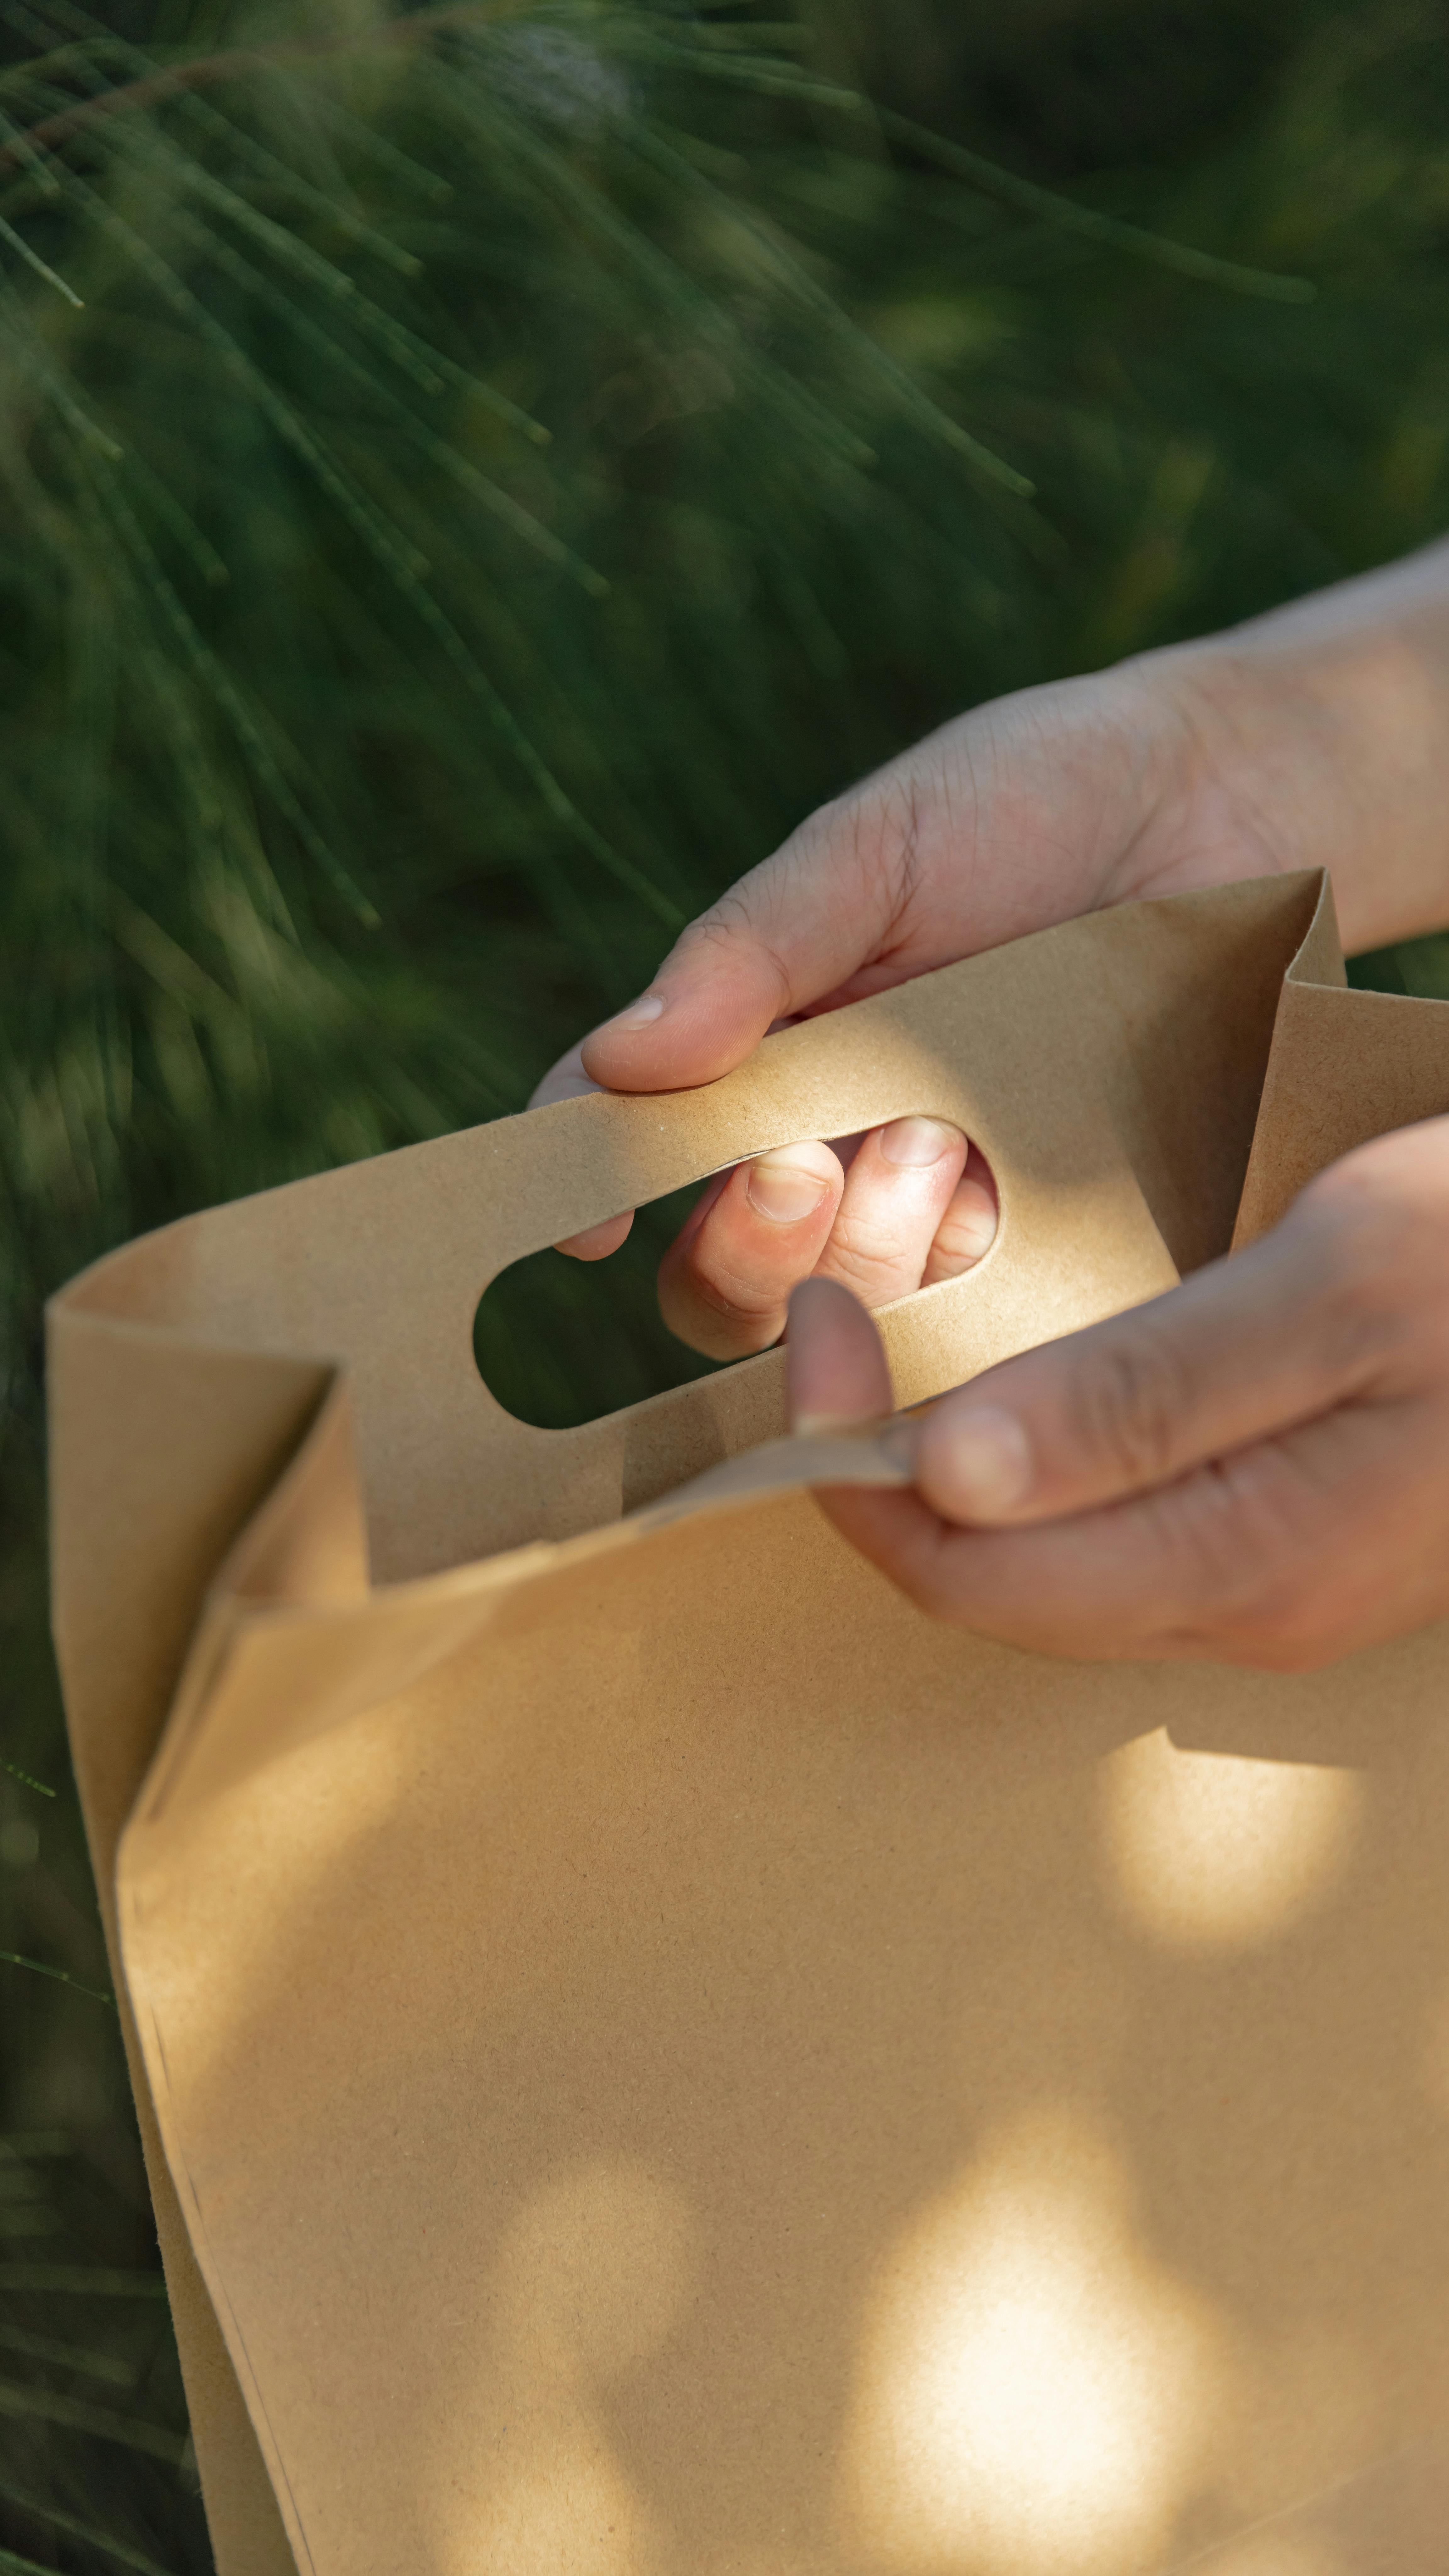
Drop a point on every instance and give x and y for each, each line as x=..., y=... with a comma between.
x=1109, y=1069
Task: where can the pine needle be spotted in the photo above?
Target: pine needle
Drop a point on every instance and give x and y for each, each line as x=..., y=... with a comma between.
x=67, y=2356
x=902, y=387
x=12, y=2564
x=79, y=2280
x=78, y=2415
x=62, y=1976
x=16, y=1773
x=119, y=2551
x=1109, y=230
x=421, y=435
x=42, y=268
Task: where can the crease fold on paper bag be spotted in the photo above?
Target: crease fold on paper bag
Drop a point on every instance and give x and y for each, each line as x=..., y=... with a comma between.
x=653, y=2058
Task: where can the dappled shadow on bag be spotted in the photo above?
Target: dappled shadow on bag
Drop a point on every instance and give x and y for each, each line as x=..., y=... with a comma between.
x=671, y=2063
x=926, y=2134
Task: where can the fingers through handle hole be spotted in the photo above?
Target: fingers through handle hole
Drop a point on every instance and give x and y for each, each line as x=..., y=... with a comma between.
x=704, y=1277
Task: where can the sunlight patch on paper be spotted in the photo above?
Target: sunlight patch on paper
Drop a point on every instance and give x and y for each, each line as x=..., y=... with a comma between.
x=588, y=2282
x=1212, y=1849
x=1035, y=2393
x=566, y=2510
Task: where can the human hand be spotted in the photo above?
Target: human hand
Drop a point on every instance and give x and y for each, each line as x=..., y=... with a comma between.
x=1314, y=737
x=1252, y=1469
x=1024, y=813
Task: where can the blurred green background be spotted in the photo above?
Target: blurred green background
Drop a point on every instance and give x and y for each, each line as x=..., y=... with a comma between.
x=507, y=464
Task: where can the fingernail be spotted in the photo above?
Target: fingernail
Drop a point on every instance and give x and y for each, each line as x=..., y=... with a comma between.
x=638, y=1015
x=915, y=1142
x=980, y=1465
x=784, y=1191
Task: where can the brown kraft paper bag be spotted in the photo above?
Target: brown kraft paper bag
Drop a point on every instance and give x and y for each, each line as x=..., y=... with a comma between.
x=654, y=2058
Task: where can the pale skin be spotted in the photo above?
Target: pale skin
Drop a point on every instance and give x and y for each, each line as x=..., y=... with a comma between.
x=1254, y=1467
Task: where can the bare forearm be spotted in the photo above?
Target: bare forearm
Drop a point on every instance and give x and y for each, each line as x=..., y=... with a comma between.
x=1332, y=716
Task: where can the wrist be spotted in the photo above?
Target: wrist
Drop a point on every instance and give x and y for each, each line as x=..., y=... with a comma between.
x=1319, y=736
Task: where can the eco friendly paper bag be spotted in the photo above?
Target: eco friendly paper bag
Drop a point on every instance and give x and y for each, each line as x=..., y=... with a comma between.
x=657, y=2060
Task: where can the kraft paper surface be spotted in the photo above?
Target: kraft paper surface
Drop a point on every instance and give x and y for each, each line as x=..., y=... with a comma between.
x=654, y=2058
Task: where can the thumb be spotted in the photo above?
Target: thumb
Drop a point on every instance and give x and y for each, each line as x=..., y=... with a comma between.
x=788, y=935
x=1243, y=1350
x=837, y=1375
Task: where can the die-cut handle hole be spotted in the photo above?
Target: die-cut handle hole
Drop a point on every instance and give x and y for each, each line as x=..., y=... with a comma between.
x=560, y=1342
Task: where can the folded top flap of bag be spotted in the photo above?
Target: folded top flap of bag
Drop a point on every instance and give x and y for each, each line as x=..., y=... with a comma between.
x=298, y=1366
x=461, y=1828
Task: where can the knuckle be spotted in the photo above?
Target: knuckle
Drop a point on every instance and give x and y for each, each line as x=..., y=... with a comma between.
x=732, y=1300
x=712, y=1310
x=1128, y=1398
x=888, y=838
x=718, y=1332
x=870, y=837
x=1255, y=1556
x=748, y=918
x=873, y=1264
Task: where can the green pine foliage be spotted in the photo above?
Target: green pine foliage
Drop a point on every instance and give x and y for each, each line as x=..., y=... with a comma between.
x=471, y=477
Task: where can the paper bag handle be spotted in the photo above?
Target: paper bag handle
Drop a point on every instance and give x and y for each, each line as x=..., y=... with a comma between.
x=1109, y=1070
